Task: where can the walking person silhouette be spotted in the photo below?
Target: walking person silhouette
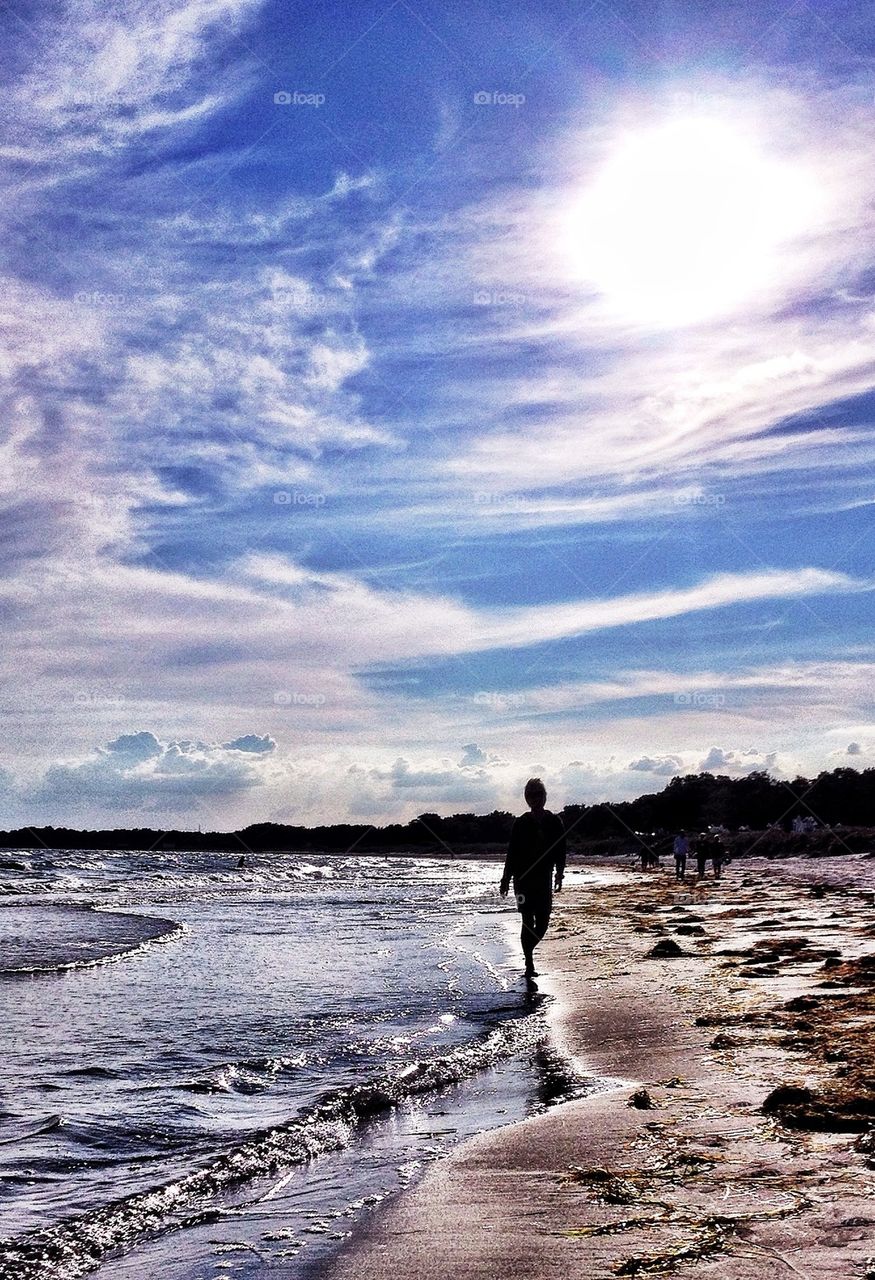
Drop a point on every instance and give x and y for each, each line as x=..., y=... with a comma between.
x=535, y=863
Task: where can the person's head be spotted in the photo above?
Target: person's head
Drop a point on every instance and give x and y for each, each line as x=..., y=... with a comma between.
x=535, y=793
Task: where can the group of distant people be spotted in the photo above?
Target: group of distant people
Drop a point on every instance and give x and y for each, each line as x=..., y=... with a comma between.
x=703, y=847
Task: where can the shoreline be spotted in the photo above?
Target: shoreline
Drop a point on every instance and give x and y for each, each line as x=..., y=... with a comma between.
x=677, y=1164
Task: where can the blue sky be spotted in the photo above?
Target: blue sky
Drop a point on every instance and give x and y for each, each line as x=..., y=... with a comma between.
x=404, y=398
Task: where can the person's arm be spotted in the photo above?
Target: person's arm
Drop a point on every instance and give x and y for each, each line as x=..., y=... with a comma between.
x=560, y=853
x=509, y=861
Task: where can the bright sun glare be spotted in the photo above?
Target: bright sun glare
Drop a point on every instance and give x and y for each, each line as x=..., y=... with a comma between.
x=685, y=221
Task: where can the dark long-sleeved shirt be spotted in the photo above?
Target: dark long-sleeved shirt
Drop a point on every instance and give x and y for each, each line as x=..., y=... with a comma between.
x=535, y=854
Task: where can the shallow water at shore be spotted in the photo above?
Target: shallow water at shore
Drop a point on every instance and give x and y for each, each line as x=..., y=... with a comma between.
x=243, y=1057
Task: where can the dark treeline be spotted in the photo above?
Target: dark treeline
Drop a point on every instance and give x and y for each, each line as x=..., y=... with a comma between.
x=695, y=802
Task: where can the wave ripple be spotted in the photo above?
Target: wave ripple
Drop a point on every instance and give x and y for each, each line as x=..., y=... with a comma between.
x=78, y=1245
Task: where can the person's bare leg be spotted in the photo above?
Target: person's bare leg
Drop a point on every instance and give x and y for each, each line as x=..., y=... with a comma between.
x=536, y=928
x=529, y=940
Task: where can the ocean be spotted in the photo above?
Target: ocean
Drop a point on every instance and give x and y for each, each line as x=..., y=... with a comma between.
x=214, y=1071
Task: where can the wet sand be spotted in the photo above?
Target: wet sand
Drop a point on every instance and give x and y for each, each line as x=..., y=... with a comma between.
x=676, y=1163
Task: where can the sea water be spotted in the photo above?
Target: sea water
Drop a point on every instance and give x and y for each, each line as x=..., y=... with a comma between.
x=209, y=1070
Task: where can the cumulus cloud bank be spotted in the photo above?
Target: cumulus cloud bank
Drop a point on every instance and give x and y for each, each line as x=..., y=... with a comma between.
x=138, y=771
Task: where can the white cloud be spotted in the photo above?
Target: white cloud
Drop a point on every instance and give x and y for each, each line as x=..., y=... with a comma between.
x=274, y=609
x=440, y=782
x=103, y=73
x=252, y=742
x=738, y=762
x=666, y=766
x=780, y=686
x=531, y=626
x=134, y=748
x=141, y=772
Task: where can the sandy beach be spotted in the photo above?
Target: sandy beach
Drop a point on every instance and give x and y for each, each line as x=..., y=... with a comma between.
x=676, y=1162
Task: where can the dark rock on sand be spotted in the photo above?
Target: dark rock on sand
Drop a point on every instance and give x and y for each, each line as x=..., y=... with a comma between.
x=666, y=947
x=802, y=1004
x=840, y=1111
x=642, y=1100
x=852, y=973
x=786, y=1095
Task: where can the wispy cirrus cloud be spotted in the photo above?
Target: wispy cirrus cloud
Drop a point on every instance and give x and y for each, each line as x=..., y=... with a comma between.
x=94, y=78
x=328, y=629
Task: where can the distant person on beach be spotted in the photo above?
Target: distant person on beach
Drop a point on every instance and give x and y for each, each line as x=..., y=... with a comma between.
x=535, y=863
x=681, y=849
x=718, y=856
x=701, y=855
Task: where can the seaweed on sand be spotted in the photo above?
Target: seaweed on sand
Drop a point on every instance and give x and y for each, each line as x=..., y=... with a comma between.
x=628, y=1186
x=710, y=1233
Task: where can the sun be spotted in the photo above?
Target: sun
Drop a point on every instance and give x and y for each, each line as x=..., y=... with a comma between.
x=686, y=220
